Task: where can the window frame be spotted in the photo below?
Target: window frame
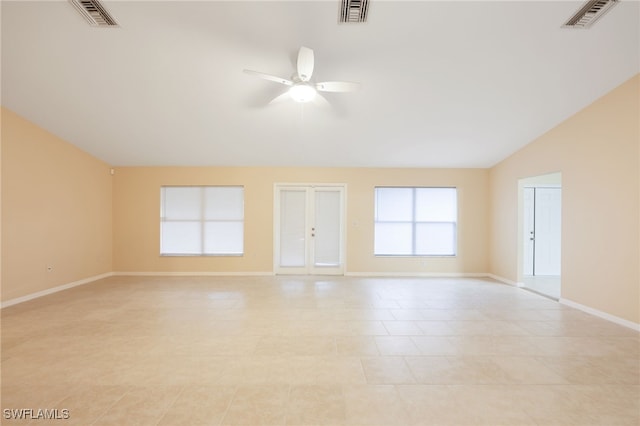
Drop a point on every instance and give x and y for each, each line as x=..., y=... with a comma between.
x=414, y=222
x=202, y=221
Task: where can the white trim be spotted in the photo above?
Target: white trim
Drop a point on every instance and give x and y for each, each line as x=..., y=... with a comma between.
x=505, y=280
x=620, y=321
x=308, y=184
x=193, y=274
x=48, y=291
x=419, y=274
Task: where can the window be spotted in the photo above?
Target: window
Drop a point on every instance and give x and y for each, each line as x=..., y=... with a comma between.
x=202, y=220
x=415, y=221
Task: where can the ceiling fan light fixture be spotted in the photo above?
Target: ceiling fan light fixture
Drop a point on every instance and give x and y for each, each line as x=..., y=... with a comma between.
x=302, y=92
x=301, y=88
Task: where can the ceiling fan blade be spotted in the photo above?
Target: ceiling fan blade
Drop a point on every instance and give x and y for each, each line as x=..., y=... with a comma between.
x=269, y=77
x=338, y=86
x=305, y=63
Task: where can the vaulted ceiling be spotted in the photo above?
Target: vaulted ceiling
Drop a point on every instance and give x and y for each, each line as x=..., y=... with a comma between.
x=444, y=83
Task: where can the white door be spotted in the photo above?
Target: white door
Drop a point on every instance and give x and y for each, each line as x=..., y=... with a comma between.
x=542, y=231
x=547, y=231
x=528, y=198
x=309, y=230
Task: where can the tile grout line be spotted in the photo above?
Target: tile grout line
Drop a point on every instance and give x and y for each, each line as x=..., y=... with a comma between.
x=129, y=388
x=168, y=408
x=231, y=401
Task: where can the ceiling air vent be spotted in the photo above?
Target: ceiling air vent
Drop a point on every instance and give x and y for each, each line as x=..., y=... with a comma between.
x=590, y=13
x=94, y=13
x=354, y=10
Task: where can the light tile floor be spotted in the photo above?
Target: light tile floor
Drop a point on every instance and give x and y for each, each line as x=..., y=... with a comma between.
x=315, y=350
x=545, y=285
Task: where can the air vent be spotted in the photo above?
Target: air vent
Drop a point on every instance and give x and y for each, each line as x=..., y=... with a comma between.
x=354, y=10
x=94, y=13
x=590, y=13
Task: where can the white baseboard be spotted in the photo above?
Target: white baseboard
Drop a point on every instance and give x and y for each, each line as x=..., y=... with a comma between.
x=505, y=280
x=418, y=274
x=587, y=309
x=193, y=274
x=56, y=289
x=620, y=321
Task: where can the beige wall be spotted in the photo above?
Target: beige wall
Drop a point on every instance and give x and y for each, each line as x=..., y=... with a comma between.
x=597, y=152
x=136, y=212
x=61, y=207
x=56, y=210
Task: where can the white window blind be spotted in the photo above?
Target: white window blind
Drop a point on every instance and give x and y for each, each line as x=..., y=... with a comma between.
x=202, y=220
x=415, y=221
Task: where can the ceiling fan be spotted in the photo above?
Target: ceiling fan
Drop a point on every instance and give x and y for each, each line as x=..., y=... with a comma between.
x=301, y=87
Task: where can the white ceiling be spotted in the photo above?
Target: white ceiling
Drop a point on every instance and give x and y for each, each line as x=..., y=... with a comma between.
x=444, y=83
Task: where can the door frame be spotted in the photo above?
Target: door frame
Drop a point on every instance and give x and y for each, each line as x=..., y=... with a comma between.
x=309, y=269
x=540, y=181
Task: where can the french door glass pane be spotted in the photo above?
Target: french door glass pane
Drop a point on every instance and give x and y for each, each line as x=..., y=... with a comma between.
x=393, y=239
x=180, y=237
x=327, y=228
x=436, y=239
x=292, y=228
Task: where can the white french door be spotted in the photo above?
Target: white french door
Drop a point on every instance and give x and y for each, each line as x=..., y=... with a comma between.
x=309, y=229
x=542, y=231
x=529, y=195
